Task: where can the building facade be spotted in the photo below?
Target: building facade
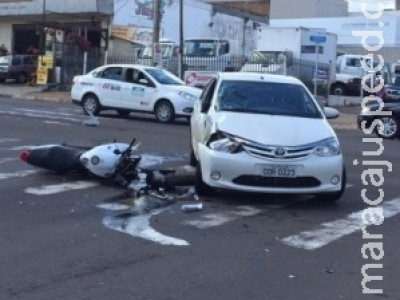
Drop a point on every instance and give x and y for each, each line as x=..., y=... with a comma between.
x=289, y=9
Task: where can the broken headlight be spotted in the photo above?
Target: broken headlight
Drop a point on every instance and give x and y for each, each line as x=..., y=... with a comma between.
x=223, y=142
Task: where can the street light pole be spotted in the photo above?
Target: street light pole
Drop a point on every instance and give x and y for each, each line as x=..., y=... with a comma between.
x=181, y=39
x=156, y=29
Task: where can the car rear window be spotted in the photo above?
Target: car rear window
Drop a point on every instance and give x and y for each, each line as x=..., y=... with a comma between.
x=266, y=98
x=4, y=61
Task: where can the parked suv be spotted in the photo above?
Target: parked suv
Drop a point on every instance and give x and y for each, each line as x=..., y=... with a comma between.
x=18, y=67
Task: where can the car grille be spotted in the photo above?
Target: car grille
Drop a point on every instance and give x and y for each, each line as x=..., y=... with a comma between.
x=278, y=182
x=276, y=152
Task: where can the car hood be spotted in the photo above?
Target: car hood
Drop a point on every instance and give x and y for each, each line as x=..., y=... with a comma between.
x=273, y=129
x=188, y=89
x=392, y=87
x=395, y=105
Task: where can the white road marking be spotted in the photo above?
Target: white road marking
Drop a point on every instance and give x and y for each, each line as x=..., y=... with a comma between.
x=5, y=160
x=41, y=116
x=212, y=220
x=8, y=140
x=46, y=112
x=17, y=174
x=55, y=122
x=139, y=226
x=113, y=206
x=18, y=148
x=59, y=188
x=329, y=232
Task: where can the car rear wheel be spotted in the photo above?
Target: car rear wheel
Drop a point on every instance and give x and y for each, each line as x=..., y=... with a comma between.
x=21, y=78
x=201, y=188
x=389, y=129
x=334, y=196
x=338, y=89
x=164, y=111
x=91, y=105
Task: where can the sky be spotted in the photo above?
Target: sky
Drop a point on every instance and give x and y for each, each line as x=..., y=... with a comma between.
x=355, y=5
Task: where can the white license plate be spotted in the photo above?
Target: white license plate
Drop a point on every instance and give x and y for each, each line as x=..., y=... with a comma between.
x=278, y=171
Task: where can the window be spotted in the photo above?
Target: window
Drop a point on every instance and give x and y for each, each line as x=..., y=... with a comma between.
x=16, y=61
x=266, y=98
x=353, y=62
x=27, y=60
x=311, y=49
x=114, y=73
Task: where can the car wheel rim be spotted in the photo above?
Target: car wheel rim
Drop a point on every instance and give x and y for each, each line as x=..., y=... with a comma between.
x=164, y=112
x=90, y=105
x=389, y=127
x=337, y=91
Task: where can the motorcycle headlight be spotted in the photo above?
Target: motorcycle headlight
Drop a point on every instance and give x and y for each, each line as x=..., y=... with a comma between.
x=187, y=96
x=327, y=147
x=95, y=160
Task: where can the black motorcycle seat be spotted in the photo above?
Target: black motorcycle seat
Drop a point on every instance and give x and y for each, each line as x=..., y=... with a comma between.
x=60, y=159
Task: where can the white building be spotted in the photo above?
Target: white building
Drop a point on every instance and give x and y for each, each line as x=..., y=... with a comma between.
x=388, y=25
x=307, y=8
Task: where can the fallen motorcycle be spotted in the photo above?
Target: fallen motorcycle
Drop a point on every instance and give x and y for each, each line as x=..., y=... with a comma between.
x=112, y=162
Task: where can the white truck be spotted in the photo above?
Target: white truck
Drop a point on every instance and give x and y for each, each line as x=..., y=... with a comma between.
x=292, y=51
x=214, y=40
x=349, y=72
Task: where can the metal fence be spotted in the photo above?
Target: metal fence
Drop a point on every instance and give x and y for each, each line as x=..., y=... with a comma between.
x=72, y=63
x=301, y=69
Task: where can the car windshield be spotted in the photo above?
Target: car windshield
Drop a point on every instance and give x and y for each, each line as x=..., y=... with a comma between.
x=164, y=77
x=5, y=61
x=200, y=47
x=267, y=57
x=266, y=98
x=166, y=51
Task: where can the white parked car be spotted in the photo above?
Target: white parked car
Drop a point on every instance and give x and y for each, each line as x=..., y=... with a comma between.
x=264, y=133
x=134, y=88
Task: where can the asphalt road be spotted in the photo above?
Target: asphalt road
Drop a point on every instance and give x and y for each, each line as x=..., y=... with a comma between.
x=66, y=237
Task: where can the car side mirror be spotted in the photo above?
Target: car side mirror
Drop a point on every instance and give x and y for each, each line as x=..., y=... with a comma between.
x=331, y=113
x=204, y=106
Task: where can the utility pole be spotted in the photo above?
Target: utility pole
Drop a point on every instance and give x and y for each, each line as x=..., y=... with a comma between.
x=181, y=39
x=156, y=31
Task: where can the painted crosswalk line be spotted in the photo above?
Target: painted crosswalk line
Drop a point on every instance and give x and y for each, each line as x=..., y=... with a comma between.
x=217, y=219
x=60, y=188
x=7, y=159
x=329, y=232
x=17, y=174
x=139, y=226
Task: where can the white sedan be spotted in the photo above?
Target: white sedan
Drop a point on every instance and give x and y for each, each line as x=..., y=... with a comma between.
x=134, y=88
x=264, y=133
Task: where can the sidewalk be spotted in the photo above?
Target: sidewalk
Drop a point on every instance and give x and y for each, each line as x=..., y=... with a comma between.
x=24, y=91
x=346, y=120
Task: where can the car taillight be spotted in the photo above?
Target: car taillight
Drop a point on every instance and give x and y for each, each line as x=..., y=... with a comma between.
x=24, y=155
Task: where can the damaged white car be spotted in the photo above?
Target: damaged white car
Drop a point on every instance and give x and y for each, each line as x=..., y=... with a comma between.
x=264, y=133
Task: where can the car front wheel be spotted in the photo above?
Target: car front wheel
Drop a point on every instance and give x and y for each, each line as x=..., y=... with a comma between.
x=91, y=105
x=389, y=129
x=201, y=188
x=164, y=111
